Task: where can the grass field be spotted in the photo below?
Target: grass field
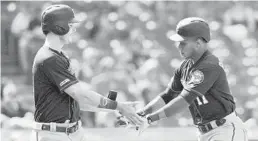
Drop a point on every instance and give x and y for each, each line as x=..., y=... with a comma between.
x=121, y=134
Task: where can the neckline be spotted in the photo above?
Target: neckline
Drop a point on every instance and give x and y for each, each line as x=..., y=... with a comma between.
x=201, y=58
x=55, y=51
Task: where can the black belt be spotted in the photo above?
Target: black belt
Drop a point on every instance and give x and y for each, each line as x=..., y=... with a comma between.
x=208, y=126
x=66, y=130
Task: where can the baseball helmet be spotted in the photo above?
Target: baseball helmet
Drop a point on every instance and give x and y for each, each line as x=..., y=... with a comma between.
x=192, y=27
x=56, y=18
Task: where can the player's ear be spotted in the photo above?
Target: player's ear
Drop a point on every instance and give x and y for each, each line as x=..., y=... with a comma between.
x=199, y=43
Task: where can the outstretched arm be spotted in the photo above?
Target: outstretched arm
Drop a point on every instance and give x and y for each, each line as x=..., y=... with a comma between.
x=86, y=97
x=176, y=105
x=174, y=88
x=57, y=72
x=161, y=100
x=93, y=101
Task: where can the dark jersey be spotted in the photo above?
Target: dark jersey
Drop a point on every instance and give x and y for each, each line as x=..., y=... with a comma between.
x=51, y=76
x=207, y=78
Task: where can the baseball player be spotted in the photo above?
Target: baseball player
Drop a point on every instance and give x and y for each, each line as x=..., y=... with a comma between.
x=59, y=95
x=201, y=85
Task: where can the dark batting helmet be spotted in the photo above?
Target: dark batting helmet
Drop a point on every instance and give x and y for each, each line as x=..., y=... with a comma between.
x=56, y=18
x=192, y=27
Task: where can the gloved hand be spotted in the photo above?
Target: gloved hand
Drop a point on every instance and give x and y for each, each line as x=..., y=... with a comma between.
x=145, y=125
x=141, y=113
x=127, y=109
x=121, y=122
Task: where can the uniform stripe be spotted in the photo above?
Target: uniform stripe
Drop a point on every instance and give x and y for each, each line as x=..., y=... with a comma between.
x=233, y=132
x=37, y=138
x=245, y=135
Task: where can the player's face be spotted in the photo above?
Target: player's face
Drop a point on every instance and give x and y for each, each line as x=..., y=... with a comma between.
x=186, y=48
x=67, y=38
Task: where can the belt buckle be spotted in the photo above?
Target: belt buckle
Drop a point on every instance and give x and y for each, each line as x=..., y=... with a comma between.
x=220, y=122
x=72, y=129
x=203, y=129
x=67, y=130
x=200, y=129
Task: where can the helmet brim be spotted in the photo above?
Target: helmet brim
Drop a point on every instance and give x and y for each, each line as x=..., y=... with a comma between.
x=177, y=38
x=76, y=20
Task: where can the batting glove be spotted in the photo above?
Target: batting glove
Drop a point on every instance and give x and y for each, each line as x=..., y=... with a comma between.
x=146, y=123
x=141, y=113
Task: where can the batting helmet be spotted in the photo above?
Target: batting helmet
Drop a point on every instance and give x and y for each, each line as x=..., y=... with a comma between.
x=56, y=18
x=192, y=27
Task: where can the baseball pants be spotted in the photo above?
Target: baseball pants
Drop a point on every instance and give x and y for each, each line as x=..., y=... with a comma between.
x=233, y=130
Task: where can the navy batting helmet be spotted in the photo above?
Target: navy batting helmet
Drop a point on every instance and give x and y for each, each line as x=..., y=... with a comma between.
x=192, y=27
x=56, y=18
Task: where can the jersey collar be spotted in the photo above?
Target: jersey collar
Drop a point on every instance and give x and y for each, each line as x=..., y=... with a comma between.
x=206, y=53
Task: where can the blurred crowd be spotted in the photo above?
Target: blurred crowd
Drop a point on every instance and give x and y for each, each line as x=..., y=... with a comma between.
x=124, y=46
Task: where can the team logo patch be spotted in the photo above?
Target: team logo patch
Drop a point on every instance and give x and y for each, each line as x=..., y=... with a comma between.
x=197, y=77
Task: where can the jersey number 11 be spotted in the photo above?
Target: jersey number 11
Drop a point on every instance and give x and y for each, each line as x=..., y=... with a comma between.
x=202, y=100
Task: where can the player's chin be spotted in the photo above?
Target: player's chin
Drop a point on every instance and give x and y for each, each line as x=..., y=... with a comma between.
x=183, y=56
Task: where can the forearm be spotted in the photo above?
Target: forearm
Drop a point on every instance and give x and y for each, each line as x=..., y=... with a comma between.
x=89, y=99
x=173, y=107
x=86, y=107
x=176, y=105
x=160, y=101
x=154, y=105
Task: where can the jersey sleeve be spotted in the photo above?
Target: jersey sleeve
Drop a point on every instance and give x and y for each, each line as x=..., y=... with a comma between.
x=175, y=84
x=203, y=79
x=59, y=74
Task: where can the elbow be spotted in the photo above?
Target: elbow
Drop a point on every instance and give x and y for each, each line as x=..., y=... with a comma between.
x=168, y=95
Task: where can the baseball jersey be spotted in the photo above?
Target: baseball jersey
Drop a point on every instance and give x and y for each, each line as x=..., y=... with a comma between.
x=51, y=76
x=208, y=79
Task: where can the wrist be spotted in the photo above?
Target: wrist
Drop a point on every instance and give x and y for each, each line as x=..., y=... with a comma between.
x=108, y=104
x=152, y=118
x=141, y=113
x=149, y=119
x=118, y=107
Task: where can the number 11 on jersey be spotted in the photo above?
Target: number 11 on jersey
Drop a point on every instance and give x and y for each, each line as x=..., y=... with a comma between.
x=202, y=100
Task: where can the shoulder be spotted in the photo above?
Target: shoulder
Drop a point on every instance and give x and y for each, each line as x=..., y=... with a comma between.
x=54, y=62
x=210, y=61
x=47, y=58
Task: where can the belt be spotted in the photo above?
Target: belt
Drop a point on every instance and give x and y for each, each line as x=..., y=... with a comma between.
x=214, y=124
x=58, y=127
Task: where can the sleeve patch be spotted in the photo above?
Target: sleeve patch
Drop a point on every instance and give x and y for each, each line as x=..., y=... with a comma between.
x=197, y=77
x=64, y=82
